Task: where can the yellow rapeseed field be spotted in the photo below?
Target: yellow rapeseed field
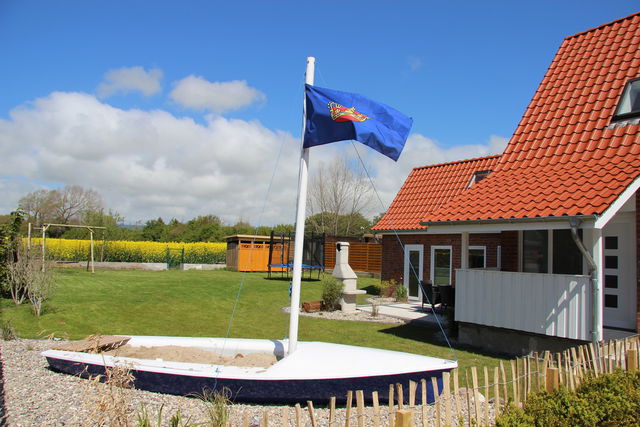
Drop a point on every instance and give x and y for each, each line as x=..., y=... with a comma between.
x=130, y=251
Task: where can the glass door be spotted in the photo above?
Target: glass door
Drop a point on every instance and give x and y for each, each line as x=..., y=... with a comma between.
x=413, y=269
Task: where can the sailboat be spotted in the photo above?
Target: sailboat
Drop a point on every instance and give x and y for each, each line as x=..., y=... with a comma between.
x=300, y=372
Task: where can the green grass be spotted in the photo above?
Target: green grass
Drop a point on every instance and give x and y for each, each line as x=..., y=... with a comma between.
x=200, y=303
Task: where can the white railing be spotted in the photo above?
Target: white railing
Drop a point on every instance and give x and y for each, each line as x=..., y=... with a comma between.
x=550, y=304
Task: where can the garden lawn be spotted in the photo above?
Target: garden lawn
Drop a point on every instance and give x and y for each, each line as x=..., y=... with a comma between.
x=201, y=303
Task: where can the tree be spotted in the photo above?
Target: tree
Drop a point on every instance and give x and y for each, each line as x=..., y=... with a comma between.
x=72, y=201
x=338, y=196
x=65, y=206
x=345, y=225
x=155, y=230
x=9, y=244
x=39, y=206
x=206, y=228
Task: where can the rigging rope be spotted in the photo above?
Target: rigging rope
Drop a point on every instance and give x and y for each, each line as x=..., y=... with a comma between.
x=413, y=270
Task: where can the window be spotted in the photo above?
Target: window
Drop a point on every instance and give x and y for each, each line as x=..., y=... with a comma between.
x=478, y=176
x=535, y=251
x=477, y=257
x=629, y=105
x=567, y=258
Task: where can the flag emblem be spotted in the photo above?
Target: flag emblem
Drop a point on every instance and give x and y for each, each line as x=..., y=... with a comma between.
x=374, y=124
x=341, y=113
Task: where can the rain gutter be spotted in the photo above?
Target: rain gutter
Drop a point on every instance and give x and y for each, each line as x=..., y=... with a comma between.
x=574, y=223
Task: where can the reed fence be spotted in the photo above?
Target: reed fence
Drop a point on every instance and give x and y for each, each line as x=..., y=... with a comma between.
x=470, y=396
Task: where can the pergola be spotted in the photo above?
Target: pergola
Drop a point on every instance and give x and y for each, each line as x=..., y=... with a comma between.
x=45, y=227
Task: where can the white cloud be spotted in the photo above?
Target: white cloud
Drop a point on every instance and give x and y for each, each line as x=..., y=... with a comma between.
x=128, y=79
x=414, y=62
x=149, y=164
x=418, y=151
x=199, y=94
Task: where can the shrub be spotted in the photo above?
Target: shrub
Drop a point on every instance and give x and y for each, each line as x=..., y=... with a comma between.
x=29, y=277
x=401, y=293
x=386, y=288
x=331, y=292
x=611, y=399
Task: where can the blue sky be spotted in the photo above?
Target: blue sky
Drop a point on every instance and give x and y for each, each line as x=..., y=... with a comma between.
x=178, y=109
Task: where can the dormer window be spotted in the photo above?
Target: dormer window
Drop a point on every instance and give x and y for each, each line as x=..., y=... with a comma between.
x=629, y=105
x=478, y=176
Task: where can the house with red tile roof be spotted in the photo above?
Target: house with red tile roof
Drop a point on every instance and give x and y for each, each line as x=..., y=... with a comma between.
x=540, y=243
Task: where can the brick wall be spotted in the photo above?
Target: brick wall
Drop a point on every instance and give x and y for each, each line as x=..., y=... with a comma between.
x=393, y=256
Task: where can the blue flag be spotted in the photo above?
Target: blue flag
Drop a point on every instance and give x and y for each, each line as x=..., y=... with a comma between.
x=337, y=116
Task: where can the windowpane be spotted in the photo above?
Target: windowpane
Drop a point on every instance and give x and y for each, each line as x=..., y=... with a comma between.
x=535, y=251
x=611, y=242
x=610, y=281
x=567, y=258
x=476, y=258
x=414, y=271
x=611, y=301
x=442, y=267
x=629, y=104
x=610, y=261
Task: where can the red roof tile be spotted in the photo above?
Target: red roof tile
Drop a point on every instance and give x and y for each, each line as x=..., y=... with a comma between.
x=562, y=159
x=429, y=187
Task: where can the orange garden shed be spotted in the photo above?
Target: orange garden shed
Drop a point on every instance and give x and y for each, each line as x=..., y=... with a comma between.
x=251, y=253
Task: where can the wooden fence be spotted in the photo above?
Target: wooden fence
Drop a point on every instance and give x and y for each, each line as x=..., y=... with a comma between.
x=469, y=396
x=362, y=256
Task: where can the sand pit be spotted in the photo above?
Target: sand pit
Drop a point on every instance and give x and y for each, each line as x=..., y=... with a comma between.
x=194, y=355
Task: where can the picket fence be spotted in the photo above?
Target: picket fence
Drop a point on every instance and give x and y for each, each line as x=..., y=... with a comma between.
x=467, y=398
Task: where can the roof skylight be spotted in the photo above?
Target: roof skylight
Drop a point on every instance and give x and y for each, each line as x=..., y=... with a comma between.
x=629, y=105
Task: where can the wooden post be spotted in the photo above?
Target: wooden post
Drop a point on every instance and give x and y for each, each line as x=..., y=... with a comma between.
x=376, y=409
x=360, y=406
x=332, y=411
x=91, y=245
x=312, y=415
x=486, y=397
x=552, y=379
x=412, y=393
x=632, y=360
x=505, y=391
x=348, y=409
x=446, y=386
x=423, y=408
x=514, y=383
x=404, y=418
x=400, y=396
x=391, y=416
x=456, y=391
x=476, y=403
x=245, y=419
x=298, y=415
x=44, y=236
x=559, y=359
x=265, y=418
x=496, y=390
x=285, y=416
x=436, y=399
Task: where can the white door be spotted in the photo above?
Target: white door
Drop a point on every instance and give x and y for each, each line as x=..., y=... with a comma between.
x=441, y=265
x=619, y=275
x=413, y=268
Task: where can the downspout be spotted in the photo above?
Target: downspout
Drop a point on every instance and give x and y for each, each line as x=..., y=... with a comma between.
x=574, y=223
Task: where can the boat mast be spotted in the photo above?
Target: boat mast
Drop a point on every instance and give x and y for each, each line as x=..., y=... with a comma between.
x=300, y=217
